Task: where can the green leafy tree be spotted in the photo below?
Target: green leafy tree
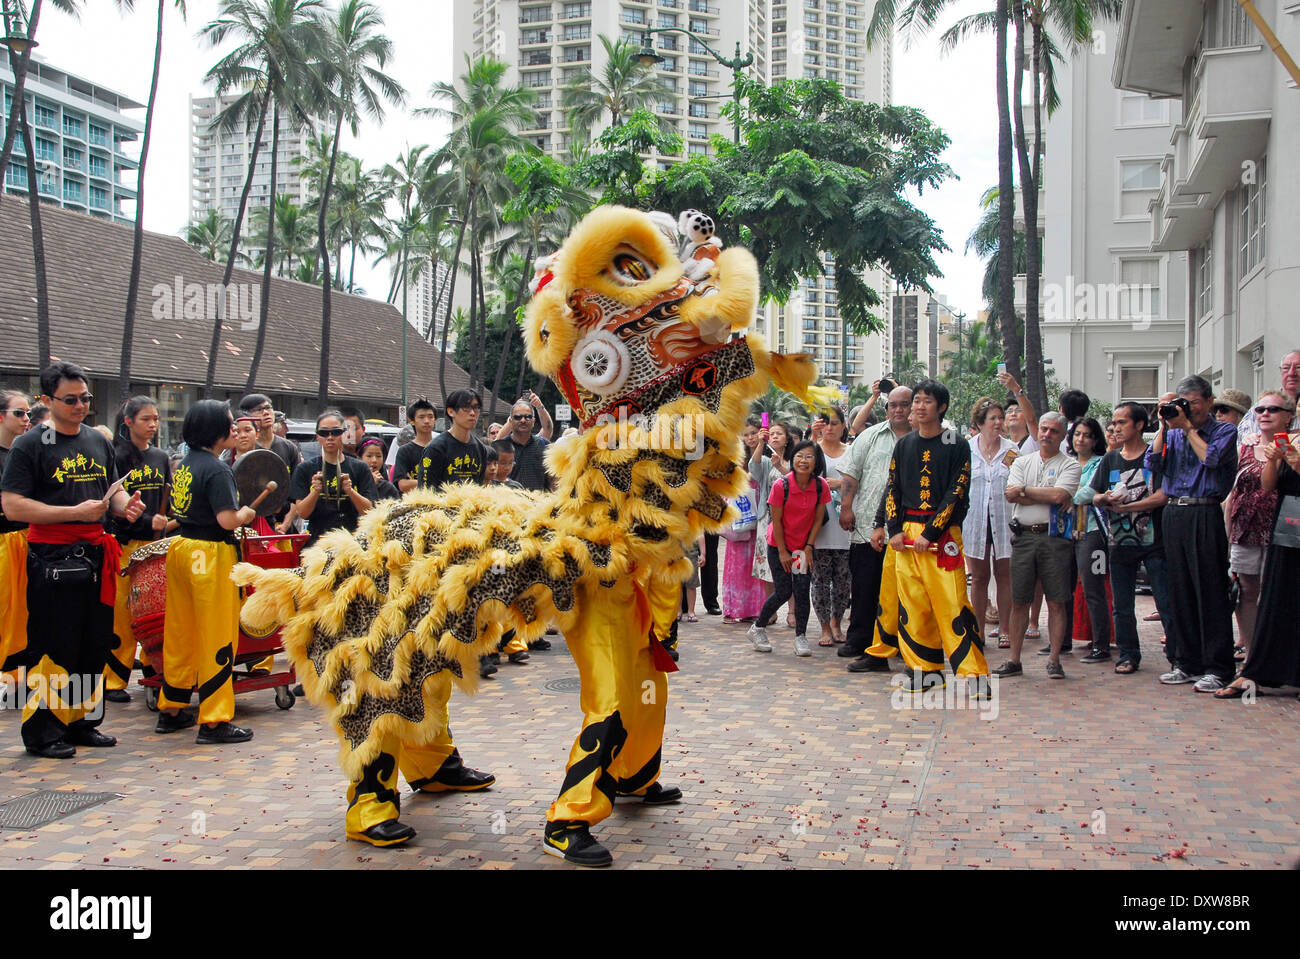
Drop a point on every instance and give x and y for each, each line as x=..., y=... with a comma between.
x=623, y=86
x=210, y=235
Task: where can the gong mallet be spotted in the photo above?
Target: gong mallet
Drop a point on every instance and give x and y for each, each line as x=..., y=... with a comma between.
x=270, y=488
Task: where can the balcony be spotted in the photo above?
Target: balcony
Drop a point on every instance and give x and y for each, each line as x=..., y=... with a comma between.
x=537, y=39
x=535, y=60
x=535, y=15
x=1178, y=222
x=699, y=6
x=572, y=35
x=1020, y=212
x=98, y=138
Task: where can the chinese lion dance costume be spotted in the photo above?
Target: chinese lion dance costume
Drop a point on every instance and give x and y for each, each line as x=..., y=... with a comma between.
x=642, y=322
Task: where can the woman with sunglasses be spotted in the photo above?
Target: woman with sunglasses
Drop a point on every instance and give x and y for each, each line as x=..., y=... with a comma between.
x=13, y=541
x=201, y=629
x=1250, y=509
x=332, y=490
x=986, y=538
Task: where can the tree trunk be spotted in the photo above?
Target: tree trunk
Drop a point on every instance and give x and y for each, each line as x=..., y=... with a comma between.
x=20, y=66
x=137, y=242
x=352, y=270
x=265, y=313
x=327, y=281
x=475, y=282
x=211, y=376
x=38, y=245
x=1036, y=370
x=1006, y=202
x=451, y=291
x=511, y=325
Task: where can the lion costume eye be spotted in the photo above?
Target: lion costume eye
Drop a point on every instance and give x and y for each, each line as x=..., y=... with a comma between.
x=630, y=268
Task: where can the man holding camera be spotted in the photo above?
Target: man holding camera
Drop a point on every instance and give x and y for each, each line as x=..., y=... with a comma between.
x=1041, y=488
x=1199, y=456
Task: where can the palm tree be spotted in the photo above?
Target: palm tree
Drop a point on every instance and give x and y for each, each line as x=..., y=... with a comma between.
x=137, y=240
x=356, y=83
x=278, y=65
x=359, y=213
x=779, y=405
x=210, y=235
x=485, y=118
x=908, y=369
x=293, y=229
x=20, y=65
x=623, y=85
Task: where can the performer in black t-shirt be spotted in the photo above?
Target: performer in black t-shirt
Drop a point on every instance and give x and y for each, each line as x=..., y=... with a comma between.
x=145, y=469
x=62, y=479
x=15, y=412
x=407, y=468
x=332, y=490
x=201, y=630
x=371, y=452
x=260, y=407
x=456, y=456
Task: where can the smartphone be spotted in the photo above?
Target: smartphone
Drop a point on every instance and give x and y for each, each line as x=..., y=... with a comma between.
x=1002, y=368
x=1282, y=441
x=766, y=420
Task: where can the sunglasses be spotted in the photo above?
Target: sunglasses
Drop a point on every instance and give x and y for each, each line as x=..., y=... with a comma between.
x=21, y=414
x=1261, y=410
x=521, y=416
x=74, y=400
x=331, y=432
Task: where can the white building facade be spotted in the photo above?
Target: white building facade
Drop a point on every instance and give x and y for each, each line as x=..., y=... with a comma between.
x=87, y=151
x=1217, y=202
x=1113, y=309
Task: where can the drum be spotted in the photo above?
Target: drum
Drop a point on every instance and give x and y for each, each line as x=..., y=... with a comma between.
x=146, y=599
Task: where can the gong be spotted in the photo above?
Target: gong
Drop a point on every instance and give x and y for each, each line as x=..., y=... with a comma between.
x=253, y=471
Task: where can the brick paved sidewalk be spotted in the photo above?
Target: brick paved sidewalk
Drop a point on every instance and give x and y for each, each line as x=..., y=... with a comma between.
x=784, y=761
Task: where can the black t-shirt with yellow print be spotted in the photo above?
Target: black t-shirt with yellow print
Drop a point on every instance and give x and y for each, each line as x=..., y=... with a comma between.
x=448, y=460
x=203, y=487
x=58, y=469
x=148, y=473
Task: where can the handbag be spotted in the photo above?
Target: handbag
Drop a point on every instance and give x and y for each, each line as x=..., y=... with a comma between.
x=1286, y=528
x=747, y=522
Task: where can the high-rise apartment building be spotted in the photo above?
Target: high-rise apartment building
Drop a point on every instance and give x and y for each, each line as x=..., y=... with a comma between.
x=548, y=43
x=86, y=153
x=219, y=160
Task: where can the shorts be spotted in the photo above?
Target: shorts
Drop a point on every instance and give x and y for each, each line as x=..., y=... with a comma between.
x=1246, y=560
x=693, y=554
x=1037, y=557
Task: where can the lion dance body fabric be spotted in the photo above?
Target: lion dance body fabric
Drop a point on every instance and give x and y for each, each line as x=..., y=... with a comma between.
x=643, y=332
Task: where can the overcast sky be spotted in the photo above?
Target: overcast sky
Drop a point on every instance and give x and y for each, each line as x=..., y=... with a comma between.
x=956, y=91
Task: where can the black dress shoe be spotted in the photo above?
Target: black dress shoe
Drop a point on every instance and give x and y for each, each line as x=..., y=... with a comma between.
x=869, y=664
x=117, y=695
x=657, y=795
x=55, y=750
x=486, y=667
x=167, y=723
x=540, y=644
x=848, y=652
x=90, y=737
x=223, y=734
x=519, y=657
x=714, y=610
x=393, y=832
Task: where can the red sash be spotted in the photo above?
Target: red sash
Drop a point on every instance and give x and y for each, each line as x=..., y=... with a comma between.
x=93, y=534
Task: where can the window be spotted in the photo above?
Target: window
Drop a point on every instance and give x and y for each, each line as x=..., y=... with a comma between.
x=46, y=117
x=1205, y=282
x=696, y=88
x=1139, y=110
x=537, y=79
x=1254, y=198
x=1140, y=384
x=573, y=11
x=1139, y=183
x=809, y=324
x=1140, y=288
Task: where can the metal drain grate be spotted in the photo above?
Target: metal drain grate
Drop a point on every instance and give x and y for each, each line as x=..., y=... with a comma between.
x=569, y=684
x=39, y=808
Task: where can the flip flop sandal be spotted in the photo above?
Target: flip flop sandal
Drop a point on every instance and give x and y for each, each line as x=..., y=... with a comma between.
x=1230, y=692
x=1033, y=634
x=837, y=640
x=1125, y=667
x=825, y=642
x=1004, y=642
x=692, y=618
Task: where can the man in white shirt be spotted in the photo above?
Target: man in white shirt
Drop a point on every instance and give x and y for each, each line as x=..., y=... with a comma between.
x=1041, y=489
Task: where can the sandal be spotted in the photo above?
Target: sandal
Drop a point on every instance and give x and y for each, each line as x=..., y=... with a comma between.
x=826, y=642
x=1230, y=692
x=1126, y=666
x=837, y=640
x=692, y=618
x=1033, y=633
x=1004, y=642
x=730, y=621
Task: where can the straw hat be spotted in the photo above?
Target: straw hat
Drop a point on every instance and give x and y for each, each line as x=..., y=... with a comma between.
x=1234, y=400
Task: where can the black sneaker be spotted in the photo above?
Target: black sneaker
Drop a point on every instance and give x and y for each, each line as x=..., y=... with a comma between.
x=574, y=843
x=117, y=695
x=1008, y=669
x=869, y=664
x=389, y=833
x=90, y=737
x=520, y=657
x=486, y=667
x=657, y=795
x=223, y=734
x=1095, y=657
x=928, y=679
x=1047, y=650
x=540, y=644
x=847, y=652
x=168, y=723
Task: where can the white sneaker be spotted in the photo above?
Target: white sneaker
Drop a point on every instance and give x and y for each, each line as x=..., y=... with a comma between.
x=758, y=636
x=1209, y=683
x=1178, y=678
x=801, y=646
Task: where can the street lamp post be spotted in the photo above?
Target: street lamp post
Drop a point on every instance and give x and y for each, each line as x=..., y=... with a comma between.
x=648, y=57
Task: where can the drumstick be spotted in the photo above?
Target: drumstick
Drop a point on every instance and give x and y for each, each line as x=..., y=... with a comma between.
x=270, y=488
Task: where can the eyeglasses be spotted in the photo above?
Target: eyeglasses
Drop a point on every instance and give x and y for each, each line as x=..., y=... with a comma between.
x=21, y=414
x=1290, y=367
x=331, y=432
x=521, y=416
x=264, y=408
x=1261, y=410
x=907, y=405
x=74, y=400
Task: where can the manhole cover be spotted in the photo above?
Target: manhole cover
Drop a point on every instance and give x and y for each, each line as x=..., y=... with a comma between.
x=36, y=809
x=570, y=684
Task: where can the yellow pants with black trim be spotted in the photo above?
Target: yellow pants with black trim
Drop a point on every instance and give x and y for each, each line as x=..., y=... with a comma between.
x=201, y=629
x=624, y=697
x=13, y=595
x=373, y=798
x=925, y=613
x=121, y=659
